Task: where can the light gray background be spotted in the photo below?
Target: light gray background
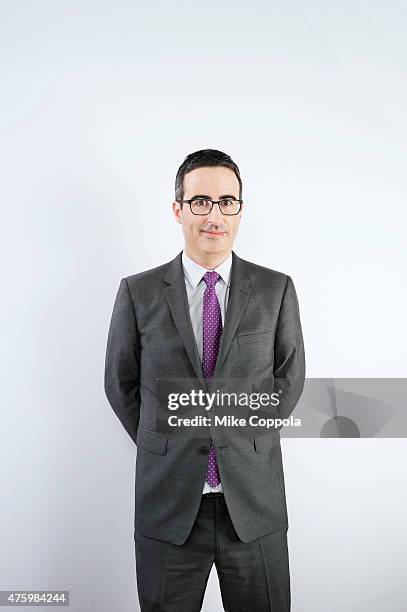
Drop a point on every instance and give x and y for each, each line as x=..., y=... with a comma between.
x=100, y=103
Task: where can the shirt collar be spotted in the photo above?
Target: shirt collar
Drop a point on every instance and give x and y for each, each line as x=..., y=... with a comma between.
x=194, y=272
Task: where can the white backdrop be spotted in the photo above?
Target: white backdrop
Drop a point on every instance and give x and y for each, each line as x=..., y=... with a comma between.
x=101, y=102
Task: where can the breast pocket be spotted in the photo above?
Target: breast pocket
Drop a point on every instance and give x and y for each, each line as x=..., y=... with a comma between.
x=261, y=337
x=256, y=353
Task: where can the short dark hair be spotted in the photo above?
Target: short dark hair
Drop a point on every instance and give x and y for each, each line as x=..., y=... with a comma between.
x=201, y=159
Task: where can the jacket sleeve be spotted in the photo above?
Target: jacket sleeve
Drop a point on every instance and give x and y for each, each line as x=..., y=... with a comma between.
x=122, y=363
x=289, y=360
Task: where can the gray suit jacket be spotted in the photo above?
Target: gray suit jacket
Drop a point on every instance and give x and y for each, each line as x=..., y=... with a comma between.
x=151, y=351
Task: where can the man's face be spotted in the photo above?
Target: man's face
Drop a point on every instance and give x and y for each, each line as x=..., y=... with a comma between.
x=214, y=233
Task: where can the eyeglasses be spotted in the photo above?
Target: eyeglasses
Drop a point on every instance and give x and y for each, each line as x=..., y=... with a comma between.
x=200, y=206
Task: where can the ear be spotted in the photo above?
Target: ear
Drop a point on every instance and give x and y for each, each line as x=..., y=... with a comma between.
x=176, y=208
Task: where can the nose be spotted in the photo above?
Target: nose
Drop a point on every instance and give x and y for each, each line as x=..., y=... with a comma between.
x=215, y=216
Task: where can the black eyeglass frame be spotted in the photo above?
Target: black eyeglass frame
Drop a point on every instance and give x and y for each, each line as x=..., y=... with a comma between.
x=212, y=202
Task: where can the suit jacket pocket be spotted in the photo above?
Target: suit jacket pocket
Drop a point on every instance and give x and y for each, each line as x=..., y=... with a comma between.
x=265, y=336
x=151, y=441
x=264, y=443
x=256, y=353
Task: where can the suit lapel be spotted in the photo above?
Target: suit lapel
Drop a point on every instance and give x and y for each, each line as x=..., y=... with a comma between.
x=176, y=296
x=239, y=294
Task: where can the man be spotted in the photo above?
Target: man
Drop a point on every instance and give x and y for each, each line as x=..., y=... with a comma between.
x=207, y=320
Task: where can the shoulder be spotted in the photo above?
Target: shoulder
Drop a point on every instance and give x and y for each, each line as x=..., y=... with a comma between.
x=263, y=276
x=144, y=286
x=147, y=277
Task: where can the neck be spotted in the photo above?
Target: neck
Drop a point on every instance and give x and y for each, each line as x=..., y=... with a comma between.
x=210, y=261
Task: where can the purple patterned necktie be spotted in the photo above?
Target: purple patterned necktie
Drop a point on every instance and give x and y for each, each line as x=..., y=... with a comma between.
x=212, y=331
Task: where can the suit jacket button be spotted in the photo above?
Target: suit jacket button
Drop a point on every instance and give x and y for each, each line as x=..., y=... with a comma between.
x=203, y=450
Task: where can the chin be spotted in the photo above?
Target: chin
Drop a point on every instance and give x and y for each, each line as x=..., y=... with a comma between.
x=216, y=248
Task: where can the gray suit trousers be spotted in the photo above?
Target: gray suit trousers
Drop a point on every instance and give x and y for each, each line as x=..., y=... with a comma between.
x=252, y=576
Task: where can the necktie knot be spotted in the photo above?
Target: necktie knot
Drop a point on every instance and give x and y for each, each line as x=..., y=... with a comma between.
x=211, y=278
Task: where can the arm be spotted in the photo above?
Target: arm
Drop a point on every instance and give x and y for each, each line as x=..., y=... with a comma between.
x=289, y=361
x=122, y=364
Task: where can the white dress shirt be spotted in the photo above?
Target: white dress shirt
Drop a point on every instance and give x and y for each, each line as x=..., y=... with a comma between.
x=195, y=286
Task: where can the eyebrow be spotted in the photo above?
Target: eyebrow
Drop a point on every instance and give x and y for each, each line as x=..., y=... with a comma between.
x=223, y=197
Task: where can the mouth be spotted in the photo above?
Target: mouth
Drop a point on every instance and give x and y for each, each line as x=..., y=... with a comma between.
x=213, y=234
